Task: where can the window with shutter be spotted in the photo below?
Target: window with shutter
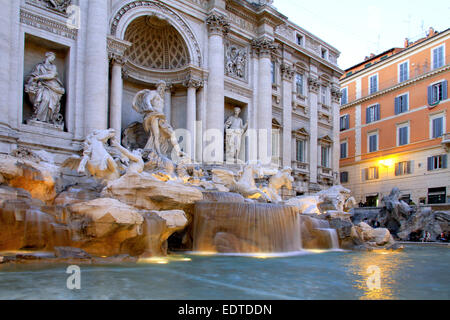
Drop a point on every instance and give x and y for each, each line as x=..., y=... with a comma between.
x=373, y=84
x=437, y=127
x=437, y=162
x=344, y=97
x=343, y=150
x=402, y=135
x=437, y=92
x=401, y=104
x=438, y=57
x=344, y=177
x=373, y=113
x=373, y=142
x=403, y=72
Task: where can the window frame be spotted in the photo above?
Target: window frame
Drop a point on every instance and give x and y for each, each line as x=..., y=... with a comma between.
x=346, y=96
x=369, y=135
x=407, y=71
x=304, y=160
x=344, y=142
x=370, y=82
x=345, y=173
x=406, y=164
x=345, y=122
x=297, y=75
x=408, y=135
x=375, y=113
x=443, y=56
x=433, y=117
x=407, y=103
x=301, y=37
x=328, y=153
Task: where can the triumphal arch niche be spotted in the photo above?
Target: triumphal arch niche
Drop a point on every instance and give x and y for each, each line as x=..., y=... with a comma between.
x=157, y=45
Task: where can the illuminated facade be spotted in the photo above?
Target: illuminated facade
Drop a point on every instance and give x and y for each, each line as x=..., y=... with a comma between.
x=394, y=123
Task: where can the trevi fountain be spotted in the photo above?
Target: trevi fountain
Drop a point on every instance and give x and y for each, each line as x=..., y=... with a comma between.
x=142, y=220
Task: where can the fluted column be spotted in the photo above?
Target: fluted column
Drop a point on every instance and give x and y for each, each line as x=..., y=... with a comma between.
x=287, y=76
x=265, y=47
x=115, y=114
x=215, y=114
x=96, y=68
x=314, y=86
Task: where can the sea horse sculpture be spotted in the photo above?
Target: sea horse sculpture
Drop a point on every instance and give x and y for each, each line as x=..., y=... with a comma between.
x=276, y=182
x=245, y=185
x=96, y=159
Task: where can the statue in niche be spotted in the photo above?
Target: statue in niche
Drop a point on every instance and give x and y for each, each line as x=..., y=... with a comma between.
x=45, y=91
x=150, y=103
x=235, y=128
x=236, y=62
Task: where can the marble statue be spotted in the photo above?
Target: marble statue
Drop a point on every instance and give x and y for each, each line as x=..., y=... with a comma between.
x=150, y=103
x=245, y=185
x=45, y=91
x=133, y=159
x=59, y=5
x=96, y=158
x=235, y=128
x=276, y=182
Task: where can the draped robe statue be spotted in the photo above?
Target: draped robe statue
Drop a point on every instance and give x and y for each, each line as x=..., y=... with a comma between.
x=45, y=90
x=235, y=128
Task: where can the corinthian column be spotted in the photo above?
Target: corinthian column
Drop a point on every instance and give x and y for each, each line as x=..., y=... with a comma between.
x=115, y=113
x=264, y=47
x=5, y=41
x=191, y=112
x=96, y=68
x=287, y=73
x=314, y=86
x=215, y=114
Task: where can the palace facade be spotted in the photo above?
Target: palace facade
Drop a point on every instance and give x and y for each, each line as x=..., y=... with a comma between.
x=213, y=55
x=394, y=123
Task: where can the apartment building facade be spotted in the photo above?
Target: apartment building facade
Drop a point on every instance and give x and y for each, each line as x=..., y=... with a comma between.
x=394, y=122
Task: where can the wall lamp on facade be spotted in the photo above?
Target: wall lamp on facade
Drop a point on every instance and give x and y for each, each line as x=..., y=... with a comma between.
x=387, y=162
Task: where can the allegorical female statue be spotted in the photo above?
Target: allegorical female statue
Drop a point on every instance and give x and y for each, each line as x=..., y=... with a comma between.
x=45, y=90
x=235, y=128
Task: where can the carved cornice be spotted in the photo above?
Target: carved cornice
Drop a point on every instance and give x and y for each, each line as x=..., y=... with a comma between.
x=313, y=84
x=217, y=24
x=264, y=47
x=46, y=24
x=287, y=71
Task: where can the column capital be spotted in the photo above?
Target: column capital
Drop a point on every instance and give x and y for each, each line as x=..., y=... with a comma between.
x=117, y=59
x=336, y=94
x=264, y=47
x=314, y=84
x=217, y=24
x=193, y=83
x=287, y=71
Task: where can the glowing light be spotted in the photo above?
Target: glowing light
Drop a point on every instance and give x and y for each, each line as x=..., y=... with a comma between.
x=387, y=162
x=154, y=260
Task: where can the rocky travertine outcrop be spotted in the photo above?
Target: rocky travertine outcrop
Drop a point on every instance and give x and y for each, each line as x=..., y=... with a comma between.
x=35, y=176
x=144, y=191
x=425, y=219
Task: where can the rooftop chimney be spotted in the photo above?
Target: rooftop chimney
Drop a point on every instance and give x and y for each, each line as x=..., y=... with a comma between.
x=406, y=42
x=430, y=32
